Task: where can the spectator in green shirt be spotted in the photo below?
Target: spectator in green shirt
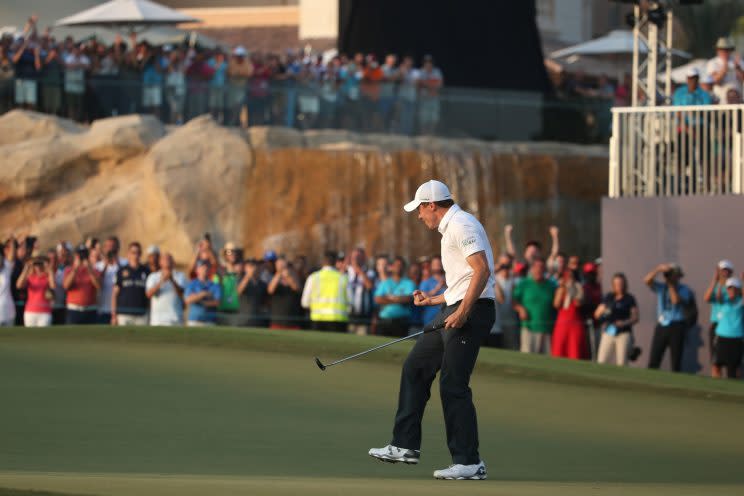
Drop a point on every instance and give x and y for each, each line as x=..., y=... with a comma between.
x=228, y=277
x=533, y=301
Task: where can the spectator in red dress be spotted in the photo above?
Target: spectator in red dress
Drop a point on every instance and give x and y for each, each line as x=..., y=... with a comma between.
x=569, y=338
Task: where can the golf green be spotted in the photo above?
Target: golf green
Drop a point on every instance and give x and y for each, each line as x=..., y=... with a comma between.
x=218, y=411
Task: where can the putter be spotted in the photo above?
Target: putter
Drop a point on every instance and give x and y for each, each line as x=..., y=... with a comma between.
x=434, y=325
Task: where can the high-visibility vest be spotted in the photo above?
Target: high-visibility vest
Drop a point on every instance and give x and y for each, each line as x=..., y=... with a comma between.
x=328, y=299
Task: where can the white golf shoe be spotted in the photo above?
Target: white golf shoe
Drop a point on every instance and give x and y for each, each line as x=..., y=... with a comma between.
x=463, y=472
x=393, y=454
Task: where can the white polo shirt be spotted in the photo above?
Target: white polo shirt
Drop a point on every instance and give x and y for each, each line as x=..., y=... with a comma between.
x=462, y=236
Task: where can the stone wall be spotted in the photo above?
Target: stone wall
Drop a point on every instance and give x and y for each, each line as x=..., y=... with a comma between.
x=276, y=188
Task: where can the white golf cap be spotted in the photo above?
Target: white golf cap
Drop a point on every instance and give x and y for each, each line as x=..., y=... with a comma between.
x=726, y=264
x=733, y=282
x=693, y=72
x=240, y=51
x=430, y=191
x=153, y=249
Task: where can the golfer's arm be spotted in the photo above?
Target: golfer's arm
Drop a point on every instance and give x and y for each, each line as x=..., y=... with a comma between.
x=479, y=263
x=436, y=300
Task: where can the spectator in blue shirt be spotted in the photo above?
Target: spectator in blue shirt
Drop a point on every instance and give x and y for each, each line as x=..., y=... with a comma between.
x=729, y=339
x=153, y=67
x=395, y=298
x=217, y=86
x=675, y=305
x=691, y=93
x=203, y=297
x=433, y=286
x=717, y=292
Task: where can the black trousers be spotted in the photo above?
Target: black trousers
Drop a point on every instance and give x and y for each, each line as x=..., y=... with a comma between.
x=393, y=327
x=453, y=351
x=672, y=337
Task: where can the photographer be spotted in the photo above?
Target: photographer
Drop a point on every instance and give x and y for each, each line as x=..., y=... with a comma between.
x=82, y=282
x=674, y=308
x=618, y=313
x=37, y=278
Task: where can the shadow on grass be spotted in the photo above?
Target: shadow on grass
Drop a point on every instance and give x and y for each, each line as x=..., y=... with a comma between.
x=25, y=492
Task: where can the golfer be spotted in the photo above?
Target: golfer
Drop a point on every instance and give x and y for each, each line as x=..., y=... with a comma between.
x=470, y=313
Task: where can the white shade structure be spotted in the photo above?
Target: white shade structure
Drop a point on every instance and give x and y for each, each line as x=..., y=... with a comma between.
x=129, y=14
x=679, y=74
x=617, y=42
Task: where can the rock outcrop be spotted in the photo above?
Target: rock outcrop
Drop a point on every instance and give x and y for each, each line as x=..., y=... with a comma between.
x=265, y=187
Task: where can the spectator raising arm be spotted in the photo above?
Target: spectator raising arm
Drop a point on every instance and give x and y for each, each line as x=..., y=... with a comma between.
x=23, y=278
x=509, y=241
x=555, y=246
x=650, y=279
x=714, y=292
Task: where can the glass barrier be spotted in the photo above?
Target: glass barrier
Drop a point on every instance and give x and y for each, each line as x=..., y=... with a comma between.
x=451, y=112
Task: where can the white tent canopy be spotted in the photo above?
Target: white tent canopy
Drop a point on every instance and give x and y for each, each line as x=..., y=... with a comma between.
x=679, y=74
x=617, y=42
x=126, y=13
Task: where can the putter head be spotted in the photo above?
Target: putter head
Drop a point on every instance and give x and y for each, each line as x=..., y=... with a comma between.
x=320, y=365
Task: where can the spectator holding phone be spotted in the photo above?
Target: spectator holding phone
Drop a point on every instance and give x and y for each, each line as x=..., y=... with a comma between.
x=506, y=325
x=7, y=305
x=82, y=282
x=37, y=279
x=285, y=291
x=729, y=344
x=108, y=267
x=569, y=336
x=716, y=293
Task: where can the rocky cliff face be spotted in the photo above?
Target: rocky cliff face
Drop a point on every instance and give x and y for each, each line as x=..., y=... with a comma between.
x=279, y=188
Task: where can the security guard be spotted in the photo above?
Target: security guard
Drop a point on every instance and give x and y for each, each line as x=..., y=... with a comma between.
x=325, y=295
x=468, y=264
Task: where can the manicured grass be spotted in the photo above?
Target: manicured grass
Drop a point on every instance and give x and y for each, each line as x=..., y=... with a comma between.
x=221, y=411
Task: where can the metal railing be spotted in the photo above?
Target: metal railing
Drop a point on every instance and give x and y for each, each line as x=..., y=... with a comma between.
x=676, y=151
x=452, y=113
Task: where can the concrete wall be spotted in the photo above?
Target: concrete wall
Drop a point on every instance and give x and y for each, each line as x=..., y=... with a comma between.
x=318, y=19
x=696, y=232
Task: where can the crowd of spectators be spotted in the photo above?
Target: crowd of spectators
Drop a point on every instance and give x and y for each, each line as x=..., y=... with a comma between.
x=89, y=80
x=722, y=82
x=552, y=305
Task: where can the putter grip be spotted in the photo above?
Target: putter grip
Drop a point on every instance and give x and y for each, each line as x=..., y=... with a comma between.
x=438, y=322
